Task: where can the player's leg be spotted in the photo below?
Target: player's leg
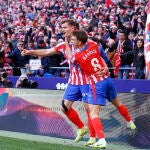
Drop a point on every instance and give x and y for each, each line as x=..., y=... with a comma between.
x=71, y=113
x=72, y=94
x=92, y=132
x=112, y=97
x=84, y=92
x=94, y=113
x=124, y=112
x=96, y=99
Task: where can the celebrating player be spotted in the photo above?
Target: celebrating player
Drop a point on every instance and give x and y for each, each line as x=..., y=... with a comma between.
x=101, y=86
x=77, y=88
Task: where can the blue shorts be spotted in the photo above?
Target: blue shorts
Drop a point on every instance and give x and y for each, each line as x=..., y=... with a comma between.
x=101, y=91
x=76, y=92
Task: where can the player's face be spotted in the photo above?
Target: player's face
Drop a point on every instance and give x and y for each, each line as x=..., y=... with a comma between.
x=67, y=29
x=75, y=42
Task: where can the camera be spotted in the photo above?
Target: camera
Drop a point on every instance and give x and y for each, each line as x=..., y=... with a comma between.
x=4, y=82
x=25, y=83
x=33, y=84
x=3, y=75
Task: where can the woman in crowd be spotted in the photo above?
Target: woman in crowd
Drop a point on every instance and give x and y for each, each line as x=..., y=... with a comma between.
x=139, y=61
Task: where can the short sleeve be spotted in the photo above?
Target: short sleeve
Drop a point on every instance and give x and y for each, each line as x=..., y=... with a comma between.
x=60, y=47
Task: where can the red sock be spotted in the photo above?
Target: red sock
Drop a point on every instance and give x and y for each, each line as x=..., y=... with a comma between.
x=90, y=125
x=73, y=116
x=98, y=127
x=124, y=112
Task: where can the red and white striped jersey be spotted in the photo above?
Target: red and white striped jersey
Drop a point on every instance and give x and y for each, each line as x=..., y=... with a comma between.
x=147, y=43
x=76, y=77
x=90, y=62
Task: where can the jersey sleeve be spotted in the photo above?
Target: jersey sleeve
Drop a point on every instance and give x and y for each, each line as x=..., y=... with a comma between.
x=60, y=47
x=103, y=54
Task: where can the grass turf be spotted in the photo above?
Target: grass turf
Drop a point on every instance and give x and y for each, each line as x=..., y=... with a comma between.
x=21, y=141
x=7, y=143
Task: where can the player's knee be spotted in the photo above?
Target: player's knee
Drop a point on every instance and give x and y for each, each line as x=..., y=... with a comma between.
x=64, y=107
x=86, y=106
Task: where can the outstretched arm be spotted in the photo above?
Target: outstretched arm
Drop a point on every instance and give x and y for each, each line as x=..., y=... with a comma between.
x=39, y=52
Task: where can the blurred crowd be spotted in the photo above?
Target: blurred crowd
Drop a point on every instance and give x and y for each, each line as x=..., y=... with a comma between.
x=116, y=25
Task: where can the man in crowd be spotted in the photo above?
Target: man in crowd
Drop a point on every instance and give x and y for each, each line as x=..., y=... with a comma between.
x=122, y=46
x=21, y=63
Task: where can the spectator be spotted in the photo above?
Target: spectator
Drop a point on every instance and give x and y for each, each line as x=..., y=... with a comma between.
x=114, y=59
x=137, y=56
x=137, y=23
x=30, y=45
x=20, y=63
x=123, y=24
x=123, y=45
x=139, y=61
x=14, y=40
x=7, y=49
x=113, y=32
x=41, y=35
x=105, y=34
x=58, y=32
x=131, y=38
x=44, y=60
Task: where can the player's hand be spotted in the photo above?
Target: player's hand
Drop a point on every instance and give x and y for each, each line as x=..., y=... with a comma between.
x=27, y=65
x=24, y=52
x=102, y=72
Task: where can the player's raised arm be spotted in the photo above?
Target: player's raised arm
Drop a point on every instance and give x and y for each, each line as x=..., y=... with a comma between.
x=41, y=52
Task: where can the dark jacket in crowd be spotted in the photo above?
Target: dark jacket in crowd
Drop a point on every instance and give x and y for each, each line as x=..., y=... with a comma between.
x=127, y=46
x=122, y=27
x=139, y=63
x=17, y=59
x=137, y=57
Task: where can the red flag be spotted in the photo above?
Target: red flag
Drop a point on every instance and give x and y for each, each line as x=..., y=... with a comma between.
x=108, y=3
x=147, y=45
